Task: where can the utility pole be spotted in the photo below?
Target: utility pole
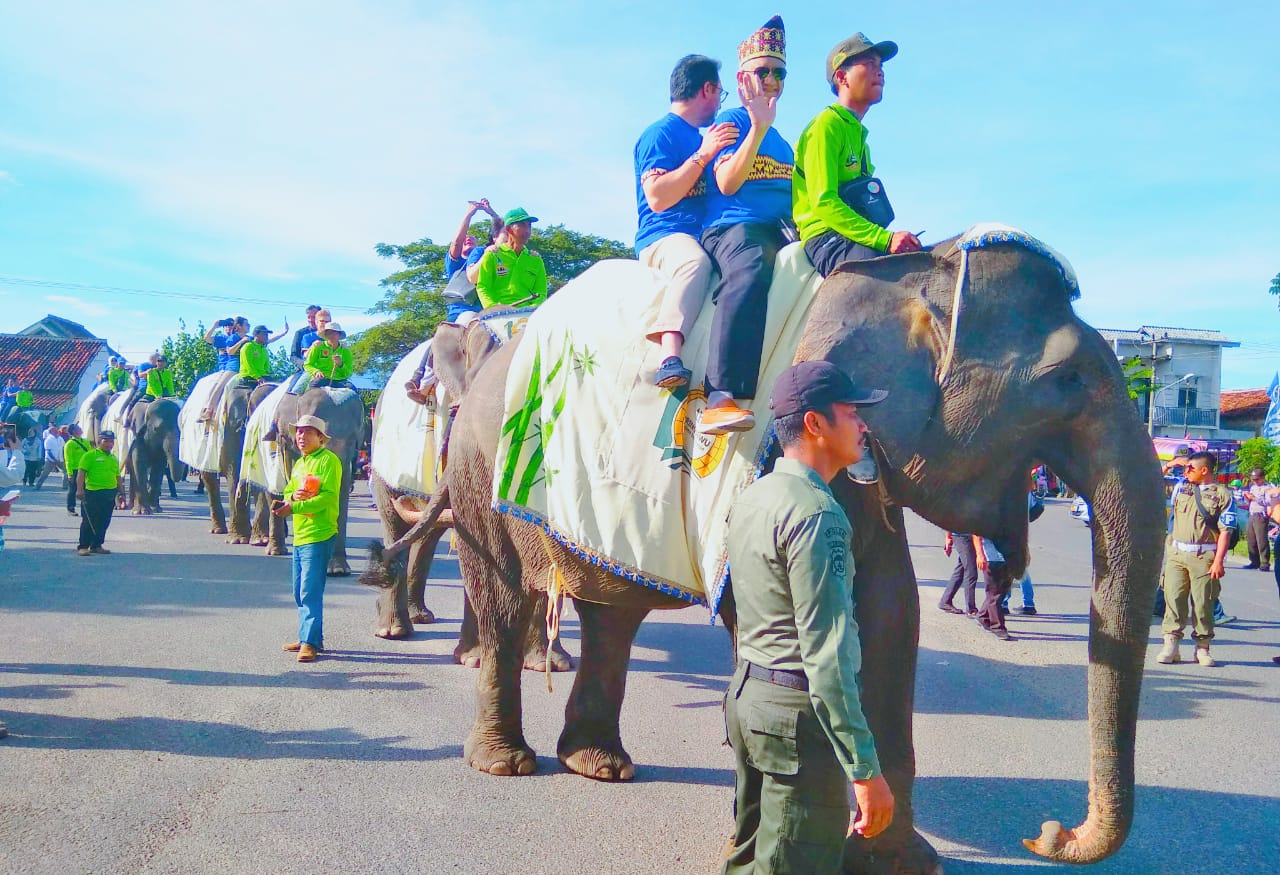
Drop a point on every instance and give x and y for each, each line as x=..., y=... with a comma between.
x=1151, y=396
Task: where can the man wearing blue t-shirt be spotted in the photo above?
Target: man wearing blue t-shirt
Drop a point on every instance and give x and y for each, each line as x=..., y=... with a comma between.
x=670, y=158
x=748, y=214
x=465, y=251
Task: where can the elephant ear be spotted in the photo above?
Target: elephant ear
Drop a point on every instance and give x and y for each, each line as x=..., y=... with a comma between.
x=875, y=319
x=457, y=352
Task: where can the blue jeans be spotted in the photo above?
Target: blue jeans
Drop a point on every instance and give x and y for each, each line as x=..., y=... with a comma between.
x=1028, y=593
x=310, y=562
x=453, y=311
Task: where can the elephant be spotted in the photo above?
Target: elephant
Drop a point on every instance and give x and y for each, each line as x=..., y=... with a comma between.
x=989, y=371
x=343, y=413
x=154, y=446
x=457, y=352
x=240, y=403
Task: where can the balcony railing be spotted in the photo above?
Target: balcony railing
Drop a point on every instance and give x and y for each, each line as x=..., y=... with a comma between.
x=1175, y=417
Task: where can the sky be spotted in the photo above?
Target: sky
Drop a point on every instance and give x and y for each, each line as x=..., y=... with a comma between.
x=167, y=161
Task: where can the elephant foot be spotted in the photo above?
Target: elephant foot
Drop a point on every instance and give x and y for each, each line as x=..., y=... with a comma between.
x=895, y=852
x=500, y=758
x=467, y=655
x=422, y=617
x=218, y=530
x=393, y=633
x=237, y=539
x=273, y=550
x=339, y=568
x=599, y=762
x=258, y=541
x=535, y=659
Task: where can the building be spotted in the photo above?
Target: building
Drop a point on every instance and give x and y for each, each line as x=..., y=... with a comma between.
x=1243, y=412
x=1187, y=366
x=58, y=360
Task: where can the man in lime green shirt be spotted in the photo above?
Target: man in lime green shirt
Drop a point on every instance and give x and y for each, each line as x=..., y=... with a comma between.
x=77, y=446
x=159, y=381
x=832, y=150
x=97, y=481
x=117, y=375
x=511, y=273
x=329, y=363
x=311, y=498
x=255, y=360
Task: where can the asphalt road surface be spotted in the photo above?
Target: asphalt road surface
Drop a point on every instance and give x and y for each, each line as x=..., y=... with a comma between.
x=155, y=725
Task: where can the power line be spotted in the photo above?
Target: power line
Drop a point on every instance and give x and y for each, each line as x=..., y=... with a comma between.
x=157, y=293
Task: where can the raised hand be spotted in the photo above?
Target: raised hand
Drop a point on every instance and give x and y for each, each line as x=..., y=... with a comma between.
x=761, y=108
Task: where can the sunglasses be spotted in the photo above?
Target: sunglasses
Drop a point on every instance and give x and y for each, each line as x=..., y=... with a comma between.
x=763, y=73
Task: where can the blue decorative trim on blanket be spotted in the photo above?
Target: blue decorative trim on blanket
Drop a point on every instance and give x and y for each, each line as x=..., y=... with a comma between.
x=980, y=236
x=626, y=572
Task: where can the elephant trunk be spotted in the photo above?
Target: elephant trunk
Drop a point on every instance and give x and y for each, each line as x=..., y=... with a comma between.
x=1112, y=463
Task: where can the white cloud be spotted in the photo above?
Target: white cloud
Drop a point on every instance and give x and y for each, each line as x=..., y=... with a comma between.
x=88, y=308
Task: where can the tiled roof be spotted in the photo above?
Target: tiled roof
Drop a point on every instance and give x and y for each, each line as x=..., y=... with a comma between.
x=48, y=366
x=1165, y=332
x=1242, y=402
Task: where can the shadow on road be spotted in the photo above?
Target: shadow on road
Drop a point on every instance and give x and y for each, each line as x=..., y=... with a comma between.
x=298, y=679
x=1173, y=828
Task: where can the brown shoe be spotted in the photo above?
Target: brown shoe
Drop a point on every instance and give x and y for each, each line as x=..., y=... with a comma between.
x=101, y=551
x=295, y=646
x=306, y=653
x=726, y=418
x=82, y=551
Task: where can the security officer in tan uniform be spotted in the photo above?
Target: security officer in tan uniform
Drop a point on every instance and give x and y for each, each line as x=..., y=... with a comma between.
x=1193, y=559
x=793, y=711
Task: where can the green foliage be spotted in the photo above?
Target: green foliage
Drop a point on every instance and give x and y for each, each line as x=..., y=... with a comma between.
x=1261, y=453
x=190, y=358
x=1275, y=287
x=412, y=297
x=1137, y=377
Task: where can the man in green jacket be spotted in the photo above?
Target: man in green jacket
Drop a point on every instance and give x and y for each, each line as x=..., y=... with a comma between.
x=97, y=483
x=510, y=272
x=159, y=381
x=77, y=446
x=793, y=712
x=311, y=498
x=832, y=150
x=329, y=363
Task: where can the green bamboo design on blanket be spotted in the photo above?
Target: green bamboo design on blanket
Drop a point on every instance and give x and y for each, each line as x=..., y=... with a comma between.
x=528, y=430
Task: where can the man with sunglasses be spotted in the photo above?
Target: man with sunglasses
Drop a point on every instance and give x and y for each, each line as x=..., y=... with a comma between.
x=831, y=151
x=670, y=158
x=748, y=221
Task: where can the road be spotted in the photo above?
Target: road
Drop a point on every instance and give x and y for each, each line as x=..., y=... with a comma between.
x=155, y=726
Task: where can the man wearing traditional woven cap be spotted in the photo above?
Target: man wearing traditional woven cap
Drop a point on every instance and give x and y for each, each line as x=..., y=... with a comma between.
x=671, y=158
x=311, y=498
x=832, y=151
x=748, y=211
x=794, y=713
x=510, y=272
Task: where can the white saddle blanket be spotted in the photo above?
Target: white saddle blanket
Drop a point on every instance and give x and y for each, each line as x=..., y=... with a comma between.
x=608, y=463
x=84, y=417
x=408, y=437
x=200, y=443
x=261, y=462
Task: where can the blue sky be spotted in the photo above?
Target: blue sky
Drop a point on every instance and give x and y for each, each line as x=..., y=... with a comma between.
x=260, y=151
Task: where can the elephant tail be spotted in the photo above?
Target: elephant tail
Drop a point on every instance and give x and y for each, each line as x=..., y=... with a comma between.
x=430, y=518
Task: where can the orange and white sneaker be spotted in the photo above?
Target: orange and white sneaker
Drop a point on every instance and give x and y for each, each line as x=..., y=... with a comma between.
x=726, y=418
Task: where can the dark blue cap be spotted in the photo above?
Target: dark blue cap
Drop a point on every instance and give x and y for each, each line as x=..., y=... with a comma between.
x=815, y=385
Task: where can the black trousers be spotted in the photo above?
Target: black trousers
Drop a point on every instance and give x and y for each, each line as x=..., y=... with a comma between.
x=998, y=585
x=744, y=254
x=830, y=249
x=95, y=516
x=965, y=574
x=1256, y=537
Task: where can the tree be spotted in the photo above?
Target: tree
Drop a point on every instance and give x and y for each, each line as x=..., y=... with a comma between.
x=1261, y=453
x=412, y=297
x=1275, y=287
x=1137, y=377
x=190, y=358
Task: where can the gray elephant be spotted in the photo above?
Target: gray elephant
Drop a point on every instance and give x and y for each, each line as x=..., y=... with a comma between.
x=154, y=447
x=343, y=412
x=240, y=403
x=990, y=371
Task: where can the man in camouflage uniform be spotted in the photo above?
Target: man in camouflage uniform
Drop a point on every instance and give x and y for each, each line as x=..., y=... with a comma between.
x=1194, y=559
x=793, y=711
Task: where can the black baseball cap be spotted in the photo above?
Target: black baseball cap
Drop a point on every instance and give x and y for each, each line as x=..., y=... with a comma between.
x=811, y=385
x=854, y=46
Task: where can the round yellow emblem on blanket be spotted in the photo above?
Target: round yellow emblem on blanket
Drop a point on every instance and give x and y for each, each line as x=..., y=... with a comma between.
x=702, y=453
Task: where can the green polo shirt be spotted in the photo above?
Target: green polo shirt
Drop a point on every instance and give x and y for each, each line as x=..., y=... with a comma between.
x=24, y=398
x=507, y=277
x=325, y=361
x=118, y=379
x=255, y=361
x=74, y=452
x=831, y=151
x=792, y=569
x=101, y=470
x=160, y=383
x=316, y=519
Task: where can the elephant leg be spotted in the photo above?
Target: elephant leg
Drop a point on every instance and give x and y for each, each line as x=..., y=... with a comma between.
x=496, y=743
x=259, y=529
x=217, y=517
x=420, y=557
x=278, y=532
x=591, y=743
x=536, y=643
x=468, y=650
x=338, y=565
x=888, y=614
x=238, y=496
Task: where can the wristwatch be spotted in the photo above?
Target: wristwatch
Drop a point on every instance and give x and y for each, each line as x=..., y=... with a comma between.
x=699, y=160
